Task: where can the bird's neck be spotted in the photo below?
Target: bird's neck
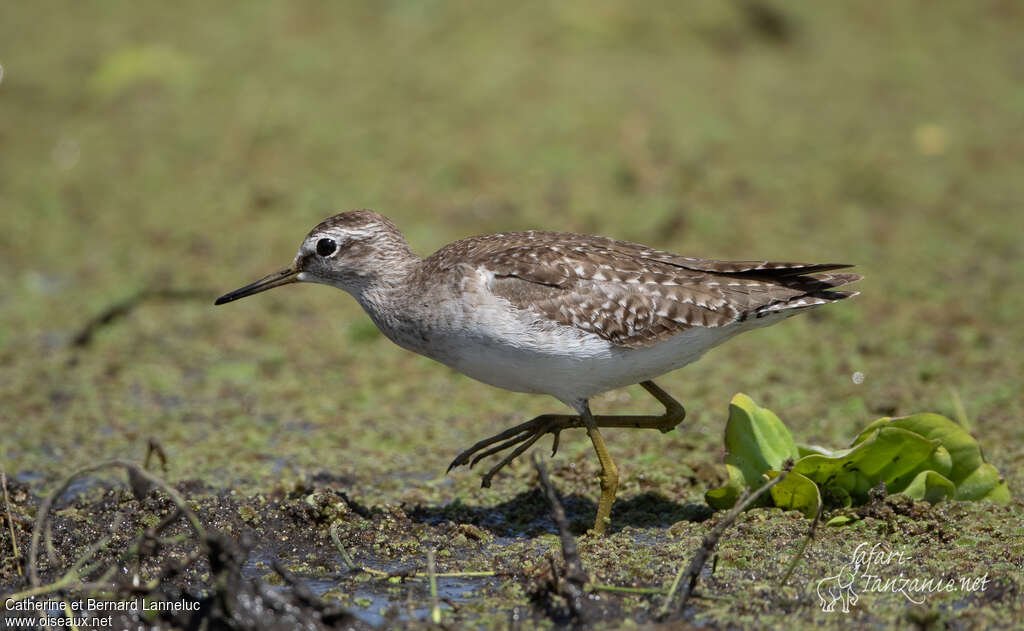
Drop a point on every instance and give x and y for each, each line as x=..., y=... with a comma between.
x=384, y=294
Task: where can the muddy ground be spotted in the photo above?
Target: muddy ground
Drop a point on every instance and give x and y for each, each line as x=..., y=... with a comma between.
x=308, y=555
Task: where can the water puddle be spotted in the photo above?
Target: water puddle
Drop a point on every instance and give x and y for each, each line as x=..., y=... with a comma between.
x=380, y=600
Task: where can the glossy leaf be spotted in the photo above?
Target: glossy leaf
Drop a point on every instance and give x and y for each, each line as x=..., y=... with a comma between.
x=727, y=495
x=984, y=483
x=796, y=492
x=959, y=459
x=924, y=456
x=756, y=441
x=929, y=486
x=884, y=455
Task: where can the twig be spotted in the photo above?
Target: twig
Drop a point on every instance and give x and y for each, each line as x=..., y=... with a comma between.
x=575, y=577
x=120, y=309
x=803, y=547
x=169, y=572
x=10, y=522
x=74, y=574
x=352, y=565
x=96, y=547
x=700, y=557
x=435, y=607
x=301, y=591
x=337, y=544
x=332, y=617
x=573, y=566
x=597, y=587
x=154, y=447
x=348, y=558
x=67, y=580
x=69, y=614
x=44, y=508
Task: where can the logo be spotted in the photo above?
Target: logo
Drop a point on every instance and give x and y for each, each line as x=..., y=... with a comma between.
x=876, y=569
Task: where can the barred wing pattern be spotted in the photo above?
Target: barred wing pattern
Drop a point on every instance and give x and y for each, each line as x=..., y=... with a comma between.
x=632, y=295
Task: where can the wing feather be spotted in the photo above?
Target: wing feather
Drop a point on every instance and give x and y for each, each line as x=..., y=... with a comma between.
x=632, y=295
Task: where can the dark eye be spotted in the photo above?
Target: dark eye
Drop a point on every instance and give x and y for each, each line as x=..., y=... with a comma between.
x=326, y=247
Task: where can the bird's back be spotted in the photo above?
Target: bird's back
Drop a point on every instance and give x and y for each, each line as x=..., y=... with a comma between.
x=631, y=295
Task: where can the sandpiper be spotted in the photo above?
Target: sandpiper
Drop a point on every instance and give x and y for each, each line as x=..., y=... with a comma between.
x=555, y=313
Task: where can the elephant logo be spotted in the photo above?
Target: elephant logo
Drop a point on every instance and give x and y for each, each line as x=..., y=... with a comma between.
x=839, y=589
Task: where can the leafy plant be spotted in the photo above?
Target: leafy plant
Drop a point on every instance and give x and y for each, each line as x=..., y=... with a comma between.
x=925, y=456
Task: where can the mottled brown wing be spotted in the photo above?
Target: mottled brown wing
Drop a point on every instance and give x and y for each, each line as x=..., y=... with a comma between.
x=632, y=295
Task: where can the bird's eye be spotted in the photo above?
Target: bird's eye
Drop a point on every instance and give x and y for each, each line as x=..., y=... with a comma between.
x=326, y=247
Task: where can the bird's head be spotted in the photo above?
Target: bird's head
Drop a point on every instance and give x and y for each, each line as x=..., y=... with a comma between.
x=351, y=251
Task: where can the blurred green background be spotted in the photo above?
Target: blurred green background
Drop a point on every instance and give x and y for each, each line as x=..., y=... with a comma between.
x=192, y=146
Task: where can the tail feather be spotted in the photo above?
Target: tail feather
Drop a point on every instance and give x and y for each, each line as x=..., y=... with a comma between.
x=819, y=282
x=804, y=301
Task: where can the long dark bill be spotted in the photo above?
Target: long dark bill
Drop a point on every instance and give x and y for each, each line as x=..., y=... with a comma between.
x=276, y=279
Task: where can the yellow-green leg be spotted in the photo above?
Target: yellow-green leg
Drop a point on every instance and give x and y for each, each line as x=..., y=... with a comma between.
x=523, y=436
x=609, y=473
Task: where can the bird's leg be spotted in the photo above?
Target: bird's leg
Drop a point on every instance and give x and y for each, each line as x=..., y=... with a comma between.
x=673, y=416
x=524, y=435
x=534, y=428
x=609, y=472
x=485, y=479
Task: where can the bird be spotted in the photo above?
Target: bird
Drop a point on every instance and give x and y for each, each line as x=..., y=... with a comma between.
x=557, y=313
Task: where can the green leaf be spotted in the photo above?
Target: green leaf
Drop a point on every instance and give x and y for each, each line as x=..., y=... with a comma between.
x=984, y=483
x=939, y=463
x=727, y=495
x=840, y=520
x=959, y=459
x=841, y=494
x=796, y=492
x=756, y=441
x=807, y=450
x=882, y=456
x=962, y=450
x=924, y=456
x=929, y=486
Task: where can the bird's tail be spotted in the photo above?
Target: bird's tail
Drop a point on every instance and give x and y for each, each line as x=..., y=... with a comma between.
x=814, y=290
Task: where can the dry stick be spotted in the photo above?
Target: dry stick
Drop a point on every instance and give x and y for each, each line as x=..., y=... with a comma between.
x=44, y=508
x=572, y=556
x=74, y=574
x=575, y=576
x=10, y=522
x=120, y=309
x=803, y=547
x=103, y=582
x=700, y=557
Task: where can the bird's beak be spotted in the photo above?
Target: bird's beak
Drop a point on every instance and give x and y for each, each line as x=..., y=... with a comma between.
x=284, y=277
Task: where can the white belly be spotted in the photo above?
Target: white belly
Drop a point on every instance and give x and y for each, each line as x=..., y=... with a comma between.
x=521, y=352
x=486, y=338
x=595, y=367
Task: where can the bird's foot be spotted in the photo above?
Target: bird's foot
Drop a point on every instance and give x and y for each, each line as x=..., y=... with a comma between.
x=522, y=437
